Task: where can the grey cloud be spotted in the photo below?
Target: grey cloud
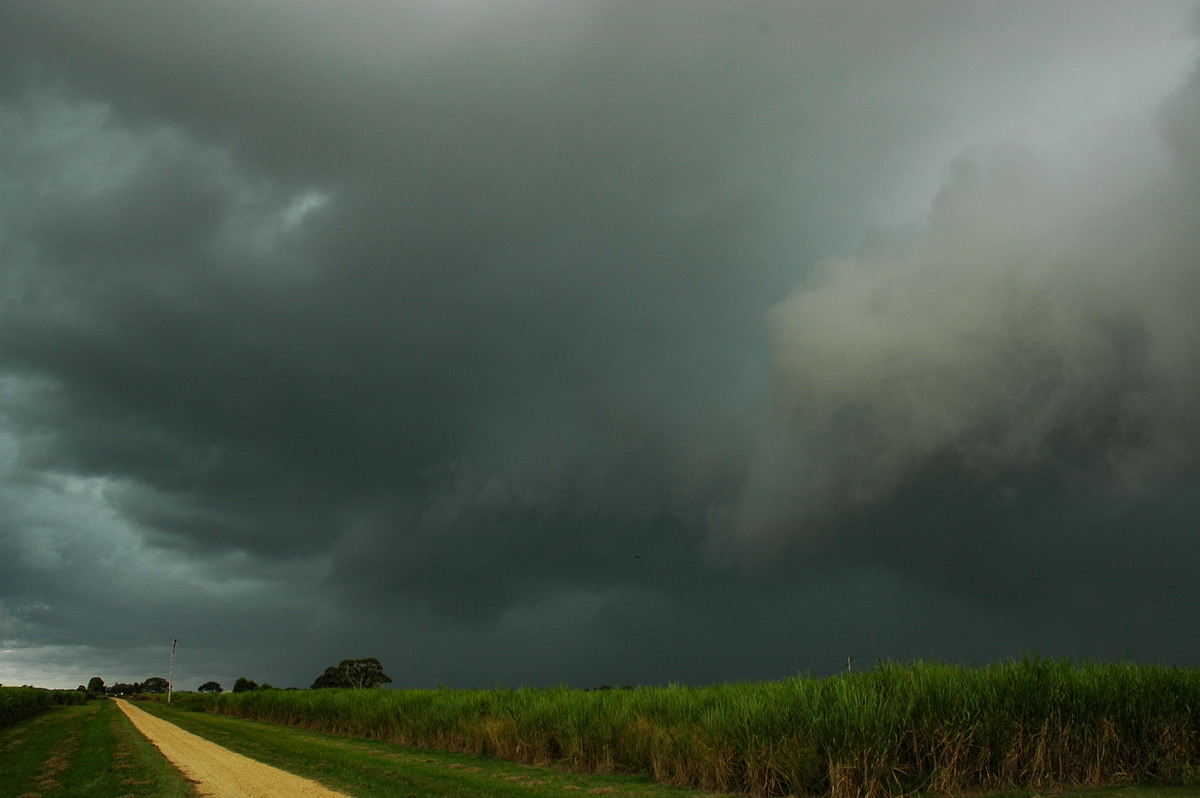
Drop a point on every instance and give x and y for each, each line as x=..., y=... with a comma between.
x=466, y=326
x=1045, y=316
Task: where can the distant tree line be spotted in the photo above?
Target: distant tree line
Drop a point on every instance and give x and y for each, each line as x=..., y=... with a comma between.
x=96, y=686
x=352, y=674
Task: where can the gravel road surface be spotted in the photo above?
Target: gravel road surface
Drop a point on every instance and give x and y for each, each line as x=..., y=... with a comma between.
x=217, y=771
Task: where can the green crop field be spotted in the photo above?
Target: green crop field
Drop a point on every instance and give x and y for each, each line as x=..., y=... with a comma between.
x=1034, y=725
x=21, y=702
x=384, y=770
x=83, y=750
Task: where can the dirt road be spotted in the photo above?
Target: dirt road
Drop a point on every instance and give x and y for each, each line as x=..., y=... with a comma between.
x=217, y=771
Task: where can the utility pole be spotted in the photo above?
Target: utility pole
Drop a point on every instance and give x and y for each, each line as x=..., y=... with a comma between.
x=171, y=674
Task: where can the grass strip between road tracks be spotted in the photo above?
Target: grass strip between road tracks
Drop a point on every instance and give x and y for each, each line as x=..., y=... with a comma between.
x=89, y=750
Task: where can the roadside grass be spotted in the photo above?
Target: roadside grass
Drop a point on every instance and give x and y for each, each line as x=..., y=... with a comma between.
x=1128, y=791
x=84, y=751
x=361, y=767
x=1116, y=791
x=894, y=730
x=369, y=767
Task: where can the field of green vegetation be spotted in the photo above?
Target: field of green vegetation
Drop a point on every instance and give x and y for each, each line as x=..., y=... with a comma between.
x=87, y=749
x=21, y=702
x=894, y=730
x=384, y=770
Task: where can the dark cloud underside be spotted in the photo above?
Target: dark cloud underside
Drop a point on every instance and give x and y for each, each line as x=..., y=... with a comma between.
x=601, y=342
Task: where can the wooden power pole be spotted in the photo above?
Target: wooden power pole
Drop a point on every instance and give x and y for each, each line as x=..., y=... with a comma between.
x=171, y=673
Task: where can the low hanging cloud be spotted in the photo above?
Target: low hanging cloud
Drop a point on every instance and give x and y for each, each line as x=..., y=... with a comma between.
x=1044, y=317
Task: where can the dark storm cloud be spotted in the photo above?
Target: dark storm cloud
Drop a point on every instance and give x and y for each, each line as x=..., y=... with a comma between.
x=561, y=248
x=1043, y=318
x=1004, y=404
x=320, y=321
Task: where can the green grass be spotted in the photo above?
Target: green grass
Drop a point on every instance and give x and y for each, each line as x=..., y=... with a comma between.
x=924, y=729
x=374, y=768
x=1133, y=791
x=84, y=751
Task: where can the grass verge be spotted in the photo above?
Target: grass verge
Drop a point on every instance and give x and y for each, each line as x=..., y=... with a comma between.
x=372, y=768
x=1120, y=791
x=85, y=751
x=894, y=730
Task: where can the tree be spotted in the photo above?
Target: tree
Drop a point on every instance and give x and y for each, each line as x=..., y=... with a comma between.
x=330, y=678
x=209, y=687
x=363, y=673
x=155, y=684
x=95, y=685
x=353, y=673
x=244, y=685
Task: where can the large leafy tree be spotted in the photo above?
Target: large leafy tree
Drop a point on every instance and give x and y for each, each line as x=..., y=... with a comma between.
x=96, y=685
x=354, y=674
x=209, y=687
x=330, y=678
x=155, y=684
x=361, y=673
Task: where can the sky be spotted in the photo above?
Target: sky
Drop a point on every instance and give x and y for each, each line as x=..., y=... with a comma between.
x=595, y=342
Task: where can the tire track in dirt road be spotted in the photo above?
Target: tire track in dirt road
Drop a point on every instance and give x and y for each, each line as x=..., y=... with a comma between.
x=219, y=772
